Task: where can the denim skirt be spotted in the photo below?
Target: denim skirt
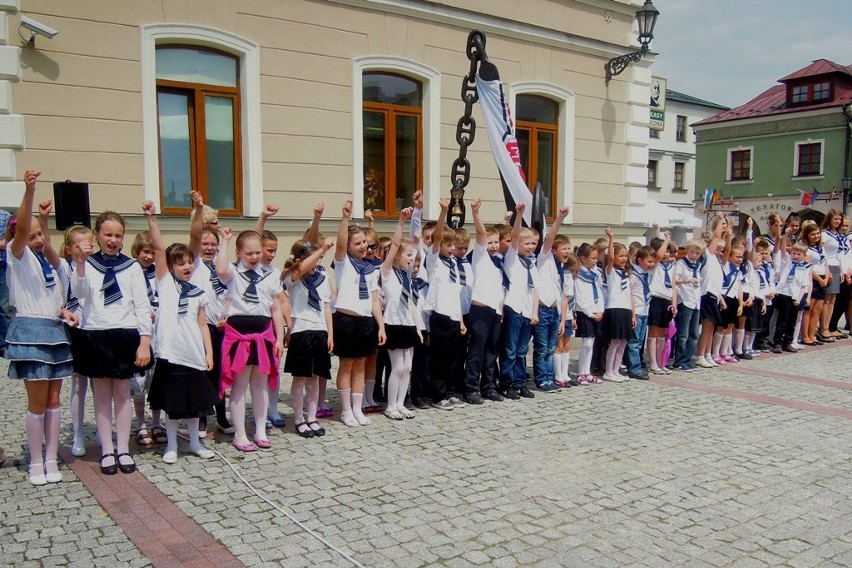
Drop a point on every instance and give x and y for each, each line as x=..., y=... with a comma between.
x=39, y=349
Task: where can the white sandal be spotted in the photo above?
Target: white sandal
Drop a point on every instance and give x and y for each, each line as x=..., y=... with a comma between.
x=37, y=479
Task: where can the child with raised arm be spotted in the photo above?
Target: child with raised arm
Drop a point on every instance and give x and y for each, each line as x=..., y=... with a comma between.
x=792, y=295
x=359, y=327
x=663, y=306
x=551, y=282
x=490, y=284
x=445, y=323
x=115, y=342
x=182, y=344
x=254, y=335
x=620, y=313
x=310, y=339
x=712, y=298
x=645, y=259
x=401, y=319
x=38, y=347
x=687, y=276
x=589, y=298
x=520, y=310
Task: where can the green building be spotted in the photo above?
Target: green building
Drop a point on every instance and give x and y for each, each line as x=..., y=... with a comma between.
x=769, y=154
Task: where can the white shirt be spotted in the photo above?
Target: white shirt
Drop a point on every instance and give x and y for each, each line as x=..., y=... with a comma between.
x=347, y=279
x=568, y=292
x=27, y=289
x=687, y=294
x=177, y=337
x=216, y=306
x=487, y=280
x=797, y=286
x=832, y=243
x=584, y=295
x=131, y=311
x=267, y=290
x=641, y=298
x=549, y=285
x=711, y=275
x=306, y=318
x=818, y=259
x=658, y=281
x=65, y=270
x=397, y=311
x=467, y=289
x=444, y=294
x=520, y=296
x=732, y=280
x=619, y=290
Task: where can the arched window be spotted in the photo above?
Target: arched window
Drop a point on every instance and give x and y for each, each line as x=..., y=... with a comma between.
x=537, y=130
x=198, y=111
x=392, y=141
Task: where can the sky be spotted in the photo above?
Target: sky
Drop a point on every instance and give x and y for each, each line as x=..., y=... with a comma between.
x=730, y=51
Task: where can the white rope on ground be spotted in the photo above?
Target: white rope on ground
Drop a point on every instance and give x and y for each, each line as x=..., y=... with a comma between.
x=280, y=510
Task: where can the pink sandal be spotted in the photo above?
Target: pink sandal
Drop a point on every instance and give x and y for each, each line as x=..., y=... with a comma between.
x=594, y=379
x=583, y=379
x=245, y=447
x=263, y=444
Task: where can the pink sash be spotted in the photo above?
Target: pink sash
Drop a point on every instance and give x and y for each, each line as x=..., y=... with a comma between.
x=230, y=369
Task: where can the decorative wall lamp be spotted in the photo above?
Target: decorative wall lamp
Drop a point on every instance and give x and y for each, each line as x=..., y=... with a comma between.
x=847, y=185
x=646, y=17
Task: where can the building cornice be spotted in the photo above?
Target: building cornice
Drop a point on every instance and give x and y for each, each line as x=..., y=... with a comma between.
x=777, y=125
x=467, y=19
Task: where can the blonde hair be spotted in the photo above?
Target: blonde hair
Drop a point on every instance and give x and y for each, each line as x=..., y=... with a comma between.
x=696, y=244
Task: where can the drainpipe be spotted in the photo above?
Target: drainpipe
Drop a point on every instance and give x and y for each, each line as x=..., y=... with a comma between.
x=847, y=114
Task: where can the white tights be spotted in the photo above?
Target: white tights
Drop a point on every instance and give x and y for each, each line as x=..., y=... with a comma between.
x=400, y=377
x=614, y=355
x=300, y=387
x=249, y=379
x=191, y=429
x=585, y=360
x=107, y=392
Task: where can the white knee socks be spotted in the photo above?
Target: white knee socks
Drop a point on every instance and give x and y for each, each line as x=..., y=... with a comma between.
x=357, y=401
x=35, y=437
x=367, y=399
x=346, y=414
x=717, y=343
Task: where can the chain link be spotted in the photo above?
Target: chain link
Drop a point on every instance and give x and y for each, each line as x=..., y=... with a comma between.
x=465, y=129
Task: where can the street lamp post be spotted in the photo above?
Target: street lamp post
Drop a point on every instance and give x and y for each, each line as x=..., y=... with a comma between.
x=646, y=17
x=847, y=184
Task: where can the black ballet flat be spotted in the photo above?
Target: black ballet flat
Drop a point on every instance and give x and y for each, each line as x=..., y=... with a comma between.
x=109, y=469
x=129, y=468
x=304, y=433
x=318, y=431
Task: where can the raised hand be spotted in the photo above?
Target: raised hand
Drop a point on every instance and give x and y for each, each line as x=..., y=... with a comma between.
x=563, y=212
x=476, y=204
x=418, y=199
x=444, y=202
x=608, y=232
x=148, y=208
x=328, y=244
x=197, y=200
x=269, y=210
x=347, y=210
x=45, y=207
x=30, y=178
x=226, y=233
x=520, y=207
x=368, y=215
x=405, y=214
x=319, y=209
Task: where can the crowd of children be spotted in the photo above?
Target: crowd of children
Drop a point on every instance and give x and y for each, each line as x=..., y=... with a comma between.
x=416, y=321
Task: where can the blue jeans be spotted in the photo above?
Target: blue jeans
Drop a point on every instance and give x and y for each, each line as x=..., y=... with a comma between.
x=5, y=318
x=634, y=345
x=545, y=335
x=688, y=327
x=516, y=343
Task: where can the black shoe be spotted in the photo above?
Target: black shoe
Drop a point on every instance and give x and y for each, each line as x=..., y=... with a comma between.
x=788, y=349
x=493, y=395
x=473, y=398
x=776, y=349
x=421, y=403
x=598, y=372
x=574, y=382
x=109, y=469
x=526, y=392
x=307, y=433
x=318, y=430
x=643, y=376
x=125, y=468
x=379, y=397
x=744, y=355
x=511, y=394
x=407, y=403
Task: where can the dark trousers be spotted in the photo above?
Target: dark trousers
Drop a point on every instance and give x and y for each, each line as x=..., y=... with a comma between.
x=421, y=383
x=841, y=302
x=483, y=331
x=445, y=341
x=599, y=353
x=383, y=370
x=458, y=384
x=762, y=339
x=786, y=319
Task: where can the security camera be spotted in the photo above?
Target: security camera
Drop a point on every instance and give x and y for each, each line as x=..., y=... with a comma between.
x=35, y=28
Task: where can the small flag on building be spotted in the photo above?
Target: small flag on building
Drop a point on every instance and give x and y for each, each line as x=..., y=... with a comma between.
x=709, y=197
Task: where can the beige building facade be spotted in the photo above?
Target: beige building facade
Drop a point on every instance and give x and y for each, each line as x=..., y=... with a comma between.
x=281, y=100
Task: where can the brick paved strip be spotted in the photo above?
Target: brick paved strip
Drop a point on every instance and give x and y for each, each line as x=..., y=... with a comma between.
x=754, y=397
x=162, y=532
x=787, y=377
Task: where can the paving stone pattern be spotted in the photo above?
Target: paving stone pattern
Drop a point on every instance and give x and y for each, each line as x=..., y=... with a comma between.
x=632, y=474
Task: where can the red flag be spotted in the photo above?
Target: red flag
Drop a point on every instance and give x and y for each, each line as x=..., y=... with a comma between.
x=806, y=199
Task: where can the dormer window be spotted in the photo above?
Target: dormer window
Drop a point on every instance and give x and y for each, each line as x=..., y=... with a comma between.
x=809, y=93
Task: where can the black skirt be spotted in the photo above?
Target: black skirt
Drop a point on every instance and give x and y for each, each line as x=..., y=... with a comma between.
x=247, y=325
x=754, y=319
x=618, y=323
x=307, y=355
x=729, y=314
x=355, y=337
x=107, y=353
x=587, y=327
x=818, y=292
x=401, y=337
x=710, y=309
x=216, y=337
x=183, y=392
x=659, y=314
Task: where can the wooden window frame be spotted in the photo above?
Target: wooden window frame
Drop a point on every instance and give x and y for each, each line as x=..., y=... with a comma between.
x=679, y=175
x=680, y=135
x=812, y=151
x=532, y=129
x=653, y=172
x=806, y=93
x=197, y=134
x=743, y=158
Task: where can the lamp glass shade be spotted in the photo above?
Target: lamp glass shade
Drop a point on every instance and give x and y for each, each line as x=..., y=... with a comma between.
x=847, y=183
x=646, y=17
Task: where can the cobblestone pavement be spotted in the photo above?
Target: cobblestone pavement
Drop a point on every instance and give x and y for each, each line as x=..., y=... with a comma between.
x=632, y=474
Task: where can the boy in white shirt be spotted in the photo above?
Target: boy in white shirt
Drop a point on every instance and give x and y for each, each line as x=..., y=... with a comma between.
x=687, y=277
x=793, y=290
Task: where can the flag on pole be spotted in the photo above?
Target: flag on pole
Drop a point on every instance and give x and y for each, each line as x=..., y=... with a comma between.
x=806, y=198
x=538, y=214
x=709, y=193
x=504, y=144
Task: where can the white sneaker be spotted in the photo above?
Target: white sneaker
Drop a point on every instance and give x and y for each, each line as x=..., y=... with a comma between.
x=457, y=403
x=656, y=371
x=613, y=378
x=711, y=361
x=203, y=453
x=797, y=346
x=170, y=457
x=703, y=363
x=78, y=448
